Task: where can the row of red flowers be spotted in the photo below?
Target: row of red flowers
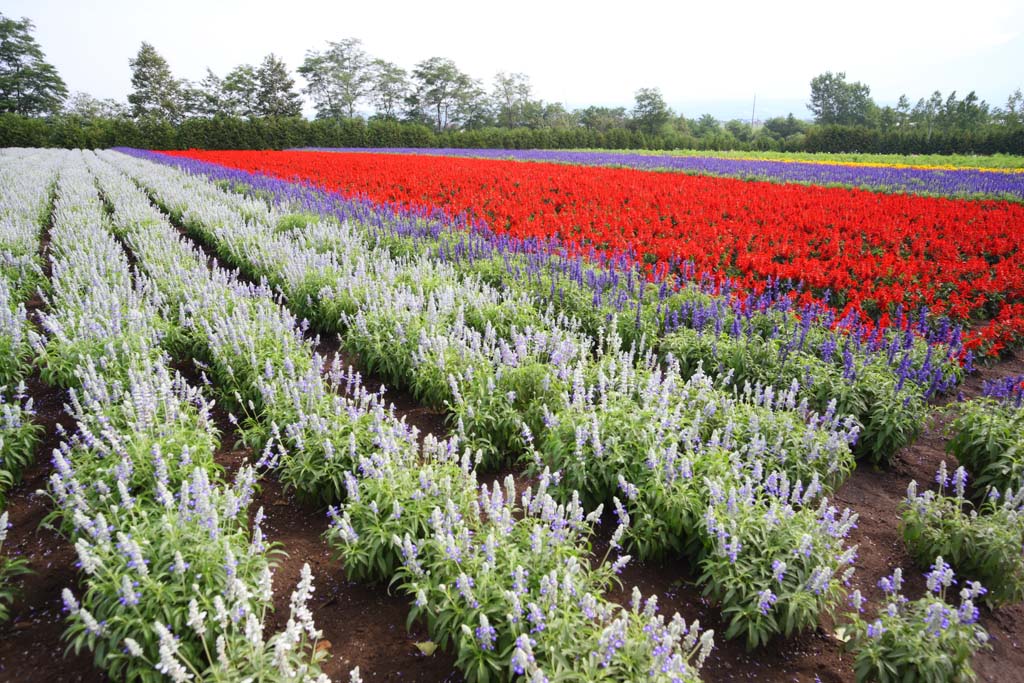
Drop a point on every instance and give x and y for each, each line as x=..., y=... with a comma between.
x=872, y=251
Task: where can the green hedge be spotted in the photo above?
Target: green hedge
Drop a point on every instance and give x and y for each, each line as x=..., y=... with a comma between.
x=231, y=133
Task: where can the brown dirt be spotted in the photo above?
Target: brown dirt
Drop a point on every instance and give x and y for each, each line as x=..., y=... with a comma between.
x=31, y=648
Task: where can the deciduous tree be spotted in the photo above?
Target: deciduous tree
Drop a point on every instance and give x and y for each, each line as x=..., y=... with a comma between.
x=835, y=101
x=650, y=113
x=389, y=88
x=512, y=98
x=84, y=106
x=338, y=78
x=441, y=93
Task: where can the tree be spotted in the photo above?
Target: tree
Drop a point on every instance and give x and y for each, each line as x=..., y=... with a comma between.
x=650, y=113
x=740, y=130
x=1012, y=115
x=389, y=88
x=210, y=98
x=834, y=101
x=84, y=106
x=240, y=91
x=902, y=112
x=192, y=99
x=925, y=112
x=706, y=126
x=512, y=98
x=971, y=113
x=782, y=127
x=275, y=90
x=558, y=117
x=473, y=108
x=888, y=119
x=440, y=93
x=29, y=85
x=603, y=119
x=338, y=78
x=155, y=91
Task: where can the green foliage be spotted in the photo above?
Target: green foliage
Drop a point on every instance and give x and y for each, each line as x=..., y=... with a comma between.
x=650, y=112
x=890, y=419
x=983, y=544
x=339, y=77
x=924, y=641
x=9, y=568
x=235, y=132
x=987, y=437
x=19, y=437
x=770, y=578
x=155, y=92
x=275, y=93
x=836, y=102
x=396, y=500
x=29, y=85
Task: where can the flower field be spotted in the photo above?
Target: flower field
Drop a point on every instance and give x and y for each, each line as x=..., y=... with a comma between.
x=945, y=181
x=867, y=253
x=547, y=422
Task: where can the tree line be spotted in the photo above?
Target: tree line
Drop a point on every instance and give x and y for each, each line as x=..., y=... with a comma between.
x=363, y=100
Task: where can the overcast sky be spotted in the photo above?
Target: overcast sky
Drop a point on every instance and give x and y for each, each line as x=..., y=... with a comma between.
x=706, y=56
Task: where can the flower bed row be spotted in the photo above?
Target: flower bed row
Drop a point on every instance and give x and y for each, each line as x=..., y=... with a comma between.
x=175, y=584
x=26, y=189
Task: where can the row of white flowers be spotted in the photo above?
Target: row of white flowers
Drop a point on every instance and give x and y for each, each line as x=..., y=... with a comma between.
x=175, y=584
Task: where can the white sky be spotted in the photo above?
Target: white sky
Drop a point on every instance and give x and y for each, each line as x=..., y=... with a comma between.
x=704, y=56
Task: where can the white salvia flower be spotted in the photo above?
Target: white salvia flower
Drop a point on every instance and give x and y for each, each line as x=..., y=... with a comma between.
x=90, y=561
x=126, y=497
x=284, y=643
x=254, y=631
x=132, y=647
x=221, y=611
x=70, y=603
x=222, y=652
x=134, y=553
x=3, y=527
x=196, y=619
x=621, y=563
x=180, y=566
x=169, y=664
x=129, y=596
x=299, y=603
x=265, y=585
x=91, y=625
x=354, y=677
x=538, y=677
x=163, y=496
x=707, y=643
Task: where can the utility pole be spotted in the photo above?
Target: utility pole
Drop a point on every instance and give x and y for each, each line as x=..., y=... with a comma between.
x=752, y=109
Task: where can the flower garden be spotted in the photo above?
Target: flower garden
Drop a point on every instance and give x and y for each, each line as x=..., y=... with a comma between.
x=544, y=416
